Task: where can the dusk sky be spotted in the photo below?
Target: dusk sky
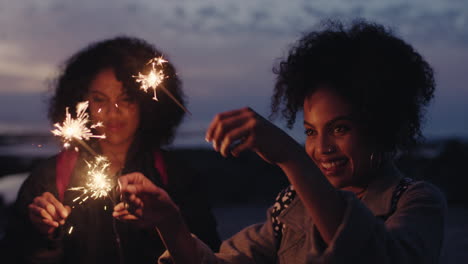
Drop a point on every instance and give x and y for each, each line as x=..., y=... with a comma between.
x=223, y=50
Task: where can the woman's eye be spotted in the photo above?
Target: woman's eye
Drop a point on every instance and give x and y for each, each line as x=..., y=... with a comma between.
x=309, y=132
x=340, y=130
x=126, y=101
x=98, y=99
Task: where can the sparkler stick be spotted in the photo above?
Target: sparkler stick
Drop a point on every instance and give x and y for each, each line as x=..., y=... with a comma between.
x=174, y=99
x=154, y=80
x=88, y=148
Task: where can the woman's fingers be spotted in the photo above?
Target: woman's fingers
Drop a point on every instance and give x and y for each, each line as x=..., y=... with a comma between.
x=225, y=128
x=47, y=212
x=234, y=138
x=136, y=183
x=43, y=225
x=248, y=143
x=128, y=217
x=49, y=203
x=122, y=213
x=40, y=212
x=50, y=223
x=135, y=201
x=38, y=218
x=119, y=207
x=216, y=120
x=224, y=124
x=58, y=205
x=68, y=209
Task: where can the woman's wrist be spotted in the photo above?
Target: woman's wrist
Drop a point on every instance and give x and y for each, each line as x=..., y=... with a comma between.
x=293, y=155
x=178, y=240
x=172, y=221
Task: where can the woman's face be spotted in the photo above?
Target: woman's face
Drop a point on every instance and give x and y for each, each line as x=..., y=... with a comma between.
x=335, y=141
x=109, y=103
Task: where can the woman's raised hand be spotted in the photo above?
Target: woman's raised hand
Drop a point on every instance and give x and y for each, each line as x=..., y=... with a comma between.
x=243, y=129
x=143, y=202
x=47, y=213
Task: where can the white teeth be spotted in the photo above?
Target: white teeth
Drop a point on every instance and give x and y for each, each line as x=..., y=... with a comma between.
x=329, y=165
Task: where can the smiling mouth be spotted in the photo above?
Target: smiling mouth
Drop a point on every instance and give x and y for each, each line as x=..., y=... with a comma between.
x=115, y=127
x=331, y=167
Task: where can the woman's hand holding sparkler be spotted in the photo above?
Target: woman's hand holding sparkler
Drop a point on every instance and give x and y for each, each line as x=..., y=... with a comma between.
x=152, y=207
x=233, y=132
x=47, y=213
x=143, y=202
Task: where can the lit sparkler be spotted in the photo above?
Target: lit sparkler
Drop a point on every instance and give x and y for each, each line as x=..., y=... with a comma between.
x=99, y=184
x=76, y=128
x=154, y=79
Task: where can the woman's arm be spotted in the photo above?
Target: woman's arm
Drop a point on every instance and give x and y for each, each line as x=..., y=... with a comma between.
x=23, y=236
x=321, y=199
x=150, y=206
x=350, y=231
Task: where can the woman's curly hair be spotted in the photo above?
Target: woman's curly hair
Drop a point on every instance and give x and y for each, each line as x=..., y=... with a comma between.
x=127, y=56
x=387, y=82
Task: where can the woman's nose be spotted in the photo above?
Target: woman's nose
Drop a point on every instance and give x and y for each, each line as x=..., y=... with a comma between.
x=325, y=145
x=114, y=108
x=109, y=109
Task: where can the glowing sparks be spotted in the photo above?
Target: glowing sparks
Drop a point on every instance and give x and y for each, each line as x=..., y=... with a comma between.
x=154, y=78
x=70, y=230
x=76, y=128
x=99, y=184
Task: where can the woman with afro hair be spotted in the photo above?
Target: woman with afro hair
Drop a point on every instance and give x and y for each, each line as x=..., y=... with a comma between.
x=362, y=92
x=137, y=128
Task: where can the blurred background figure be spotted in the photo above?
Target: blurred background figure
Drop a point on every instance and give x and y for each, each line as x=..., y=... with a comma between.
x=136, y=128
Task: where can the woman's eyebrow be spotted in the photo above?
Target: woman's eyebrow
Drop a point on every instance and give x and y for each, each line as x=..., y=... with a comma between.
x=308, y=124
x=97, y=92
x=339, y=118
x=331, y=122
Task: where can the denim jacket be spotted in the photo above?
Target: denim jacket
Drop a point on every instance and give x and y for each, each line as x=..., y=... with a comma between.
x=369, y=232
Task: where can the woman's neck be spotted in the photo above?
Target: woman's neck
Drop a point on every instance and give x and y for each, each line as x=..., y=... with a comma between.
x=357, y=190
x=117, y=155
x=360, y=188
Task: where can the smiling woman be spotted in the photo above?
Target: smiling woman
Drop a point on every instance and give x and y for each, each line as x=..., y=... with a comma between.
x=363, y=92
x=48, y=226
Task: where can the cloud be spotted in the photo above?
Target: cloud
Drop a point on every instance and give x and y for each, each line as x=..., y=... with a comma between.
x=19, y=72
x=421, y=17
x=223, y=50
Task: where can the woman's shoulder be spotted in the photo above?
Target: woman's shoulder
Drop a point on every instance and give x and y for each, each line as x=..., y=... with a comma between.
x=41, y=179
x=424, y=193
x=177, y=164
x=45, y=167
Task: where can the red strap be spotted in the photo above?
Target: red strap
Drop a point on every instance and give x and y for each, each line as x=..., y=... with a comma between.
x=161, y=167
x=66, y=161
